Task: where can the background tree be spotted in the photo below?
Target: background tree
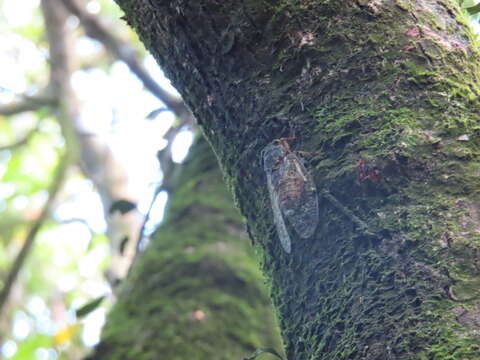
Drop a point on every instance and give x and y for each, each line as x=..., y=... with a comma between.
x=195, y=292
x=385, y=96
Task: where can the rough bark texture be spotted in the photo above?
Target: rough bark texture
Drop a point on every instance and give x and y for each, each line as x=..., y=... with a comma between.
x=384, y=94
x=196, y=292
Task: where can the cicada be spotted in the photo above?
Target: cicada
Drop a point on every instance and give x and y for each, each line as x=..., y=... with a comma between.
x=293, y=194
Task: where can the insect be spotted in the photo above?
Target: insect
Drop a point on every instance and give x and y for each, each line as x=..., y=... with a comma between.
x=293, y=194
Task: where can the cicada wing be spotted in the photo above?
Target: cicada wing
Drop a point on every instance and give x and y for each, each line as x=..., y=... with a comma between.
x=301, y=210
x=282, y=231
x=305, y=220
x=272, y=154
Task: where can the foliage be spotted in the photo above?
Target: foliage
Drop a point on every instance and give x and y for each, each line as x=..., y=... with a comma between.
x=65, y=267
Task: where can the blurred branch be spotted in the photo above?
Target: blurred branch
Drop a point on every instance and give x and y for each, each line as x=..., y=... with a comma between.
x=59, y=41
x=20, y=142
x=80, y=221
x=28, y=103
x=96, y=30
x=97, y=159
x=27, y=246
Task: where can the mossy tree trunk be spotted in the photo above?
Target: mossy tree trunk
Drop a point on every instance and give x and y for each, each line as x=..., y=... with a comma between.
x=384, y=94
x=196, y=292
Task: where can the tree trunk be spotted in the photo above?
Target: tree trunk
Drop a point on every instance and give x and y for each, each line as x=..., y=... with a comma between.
x=196, y=292
x=384, y=93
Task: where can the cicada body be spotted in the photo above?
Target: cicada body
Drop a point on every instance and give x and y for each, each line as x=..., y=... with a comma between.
x=292, y=191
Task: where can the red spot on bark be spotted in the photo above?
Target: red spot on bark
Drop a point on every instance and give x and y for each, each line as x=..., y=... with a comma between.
x=365, y=172
x=210, y=100
x=458, y=45
x=199, y=315
x=413, y=32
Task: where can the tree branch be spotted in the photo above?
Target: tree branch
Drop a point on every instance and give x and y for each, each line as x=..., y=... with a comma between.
x=27, y=246
x=20, y=142
x=28, y=103
x=60, y=45
x=96, y=30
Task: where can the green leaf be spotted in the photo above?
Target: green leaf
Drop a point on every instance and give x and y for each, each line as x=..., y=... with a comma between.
x=474, y=10
x=27, y=348
x=470, y=3
x=123, y=206
x=89, y=307
x=263, y=351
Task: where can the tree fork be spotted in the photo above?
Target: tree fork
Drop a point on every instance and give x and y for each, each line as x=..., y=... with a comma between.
x=394, y=84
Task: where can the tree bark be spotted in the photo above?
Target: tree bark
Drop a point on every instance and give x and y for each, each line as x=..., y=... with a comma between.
x=196, y=292
x=384, y=93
